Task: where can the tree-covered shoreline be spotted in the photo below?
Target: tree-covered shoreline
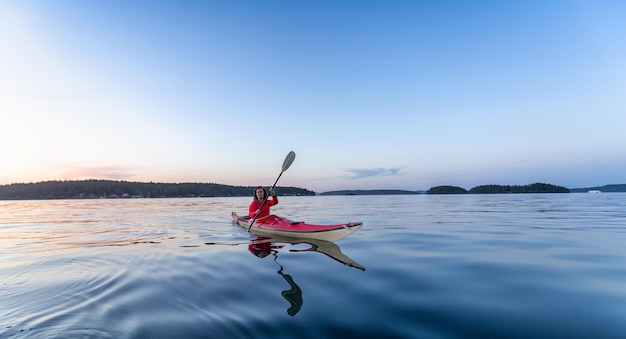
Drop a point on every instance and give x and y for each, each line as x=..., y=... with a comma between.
x=483, y=189
x=499, y=189
x=98, y=189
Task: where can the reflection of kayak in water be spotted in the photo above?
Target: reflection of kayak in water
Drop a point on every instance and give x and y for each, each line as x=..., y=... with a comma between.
x=263, y=246
x=275, y=225
x=332, y=250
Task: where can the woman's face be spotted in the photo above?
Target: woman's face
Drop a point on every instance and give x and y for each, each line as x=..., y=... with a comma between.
x=259, y=193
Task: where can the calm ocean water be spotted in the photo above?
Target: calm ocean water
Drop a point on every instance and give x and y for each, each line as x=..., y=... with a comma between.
x=449, y=266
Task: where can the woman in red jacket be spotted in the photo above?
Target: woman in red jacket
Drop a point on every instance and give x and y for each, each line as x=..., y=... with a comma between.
x=255, y=206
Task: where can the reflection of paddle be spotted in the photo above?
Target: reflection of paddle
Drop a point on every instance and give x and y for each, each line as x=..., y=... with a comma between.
x=288, y=161
x=293, y=295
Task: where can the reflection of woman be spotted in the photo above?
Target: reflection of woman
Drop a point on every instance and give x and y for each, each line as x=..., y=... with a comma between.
x=261, y=250
x=262, y=247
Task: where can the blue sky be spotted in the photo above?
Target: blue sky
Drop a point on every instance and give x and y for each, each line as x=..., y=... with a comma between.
x=369, y=94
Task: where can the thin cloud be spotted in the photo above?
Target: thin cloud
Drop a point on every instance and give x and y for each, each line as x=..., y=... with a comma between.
x=373, y=172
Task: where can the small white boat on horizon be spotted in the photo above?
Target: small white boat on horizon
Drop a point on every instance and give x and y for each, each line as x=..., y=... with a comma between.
x=594, y=191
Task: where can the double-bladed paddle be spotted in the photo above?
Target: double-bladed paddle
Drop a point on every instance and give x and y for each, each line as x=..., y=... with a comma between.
x=288, y=161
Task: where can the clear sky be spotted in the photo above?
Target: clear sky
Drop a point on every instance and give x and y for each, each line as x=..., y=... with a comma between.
x=394, y=94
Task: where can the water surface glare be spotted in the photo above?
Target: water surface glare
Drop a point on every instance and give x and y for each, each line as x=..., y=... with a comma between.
x=444, y=266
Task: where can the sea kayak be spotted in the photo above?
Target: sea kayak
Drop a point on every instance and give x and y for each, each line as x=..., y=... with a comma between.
x=275, y=225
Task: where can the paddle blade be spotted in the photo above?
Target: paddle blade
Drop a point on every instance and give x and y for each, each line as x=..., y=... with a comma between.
x=289, y=160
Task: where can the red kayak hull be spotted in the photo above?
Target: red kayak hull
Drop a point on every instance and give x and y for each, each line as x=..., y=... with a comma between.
x=275, y=225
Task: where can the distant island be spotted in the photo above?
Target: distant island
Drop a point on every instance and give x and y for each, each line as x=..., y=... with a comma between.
x=371, y=192
x=111, y=189
x=484, y=189
x=500, y=189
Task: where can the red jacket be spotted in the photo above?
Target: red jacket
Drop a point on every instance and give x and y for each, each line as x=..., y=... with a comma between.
x=255, y=204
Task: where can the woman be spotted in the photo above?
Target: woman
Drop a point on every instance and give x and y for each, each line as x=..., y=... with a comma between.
x=255, y=206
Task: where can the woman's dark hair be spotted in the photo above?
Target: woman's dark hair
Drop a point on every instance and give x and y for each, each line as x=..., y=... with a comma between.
x=264, y=193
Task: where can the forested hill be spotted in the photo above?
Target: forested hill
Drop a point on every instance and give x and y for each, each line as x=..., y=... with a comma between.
x=94, y=189
x=499, y=189
x=484, y=189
